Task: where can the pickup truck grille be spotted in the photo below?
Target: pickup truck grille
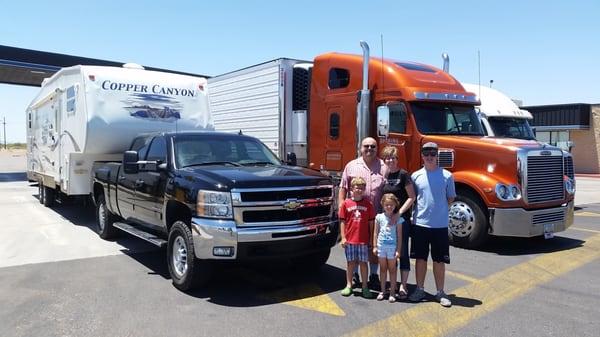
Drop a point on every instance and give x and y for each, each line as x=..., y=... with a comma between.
x=282, y=206
x=544, y=179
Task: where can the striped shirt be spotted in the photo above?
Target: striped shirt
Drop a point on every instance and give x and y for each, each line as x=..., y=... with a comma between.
x=374, y=178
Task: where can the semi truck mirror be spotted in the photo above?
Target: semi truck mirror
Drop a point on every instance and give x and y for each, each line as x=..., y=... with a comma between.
x=383, y=121
x=130, y=162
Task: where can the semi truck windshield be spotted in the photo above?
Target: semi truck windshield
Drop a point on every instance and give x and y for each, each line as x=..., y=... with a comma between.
x=506, y=127
x=446, y=119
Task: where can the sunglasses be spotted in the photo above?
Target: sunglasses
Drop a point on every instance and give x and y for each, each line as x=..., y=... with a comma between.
x=369, y=146
x=429, y=153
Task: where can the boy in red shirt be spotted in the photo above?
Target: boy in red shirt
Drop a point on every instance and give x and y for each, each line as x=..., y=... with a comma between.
x=356, y=223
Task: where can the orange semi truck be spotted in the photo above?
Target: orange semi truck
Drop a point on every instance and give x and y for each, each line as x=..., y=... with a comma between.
x=314, y=114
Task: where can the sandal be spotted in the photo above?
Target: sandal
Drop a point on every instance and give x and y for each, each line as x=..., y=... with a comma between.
x=347, y=291
x=380, y=297
x=392, y=298
x=402, y=294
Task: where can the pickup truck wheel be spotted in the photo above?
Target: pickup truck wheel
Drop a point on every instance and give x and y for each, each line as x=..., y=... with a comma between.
x=48, y=196
x=467, y=226
x=186, y=271
x=311, y=262
x=105, y=220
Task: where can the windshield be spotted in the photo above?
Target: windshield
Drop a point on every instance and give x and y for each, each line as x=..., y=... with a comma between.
x=505, y=127
x=192, y=150
x=446, y=119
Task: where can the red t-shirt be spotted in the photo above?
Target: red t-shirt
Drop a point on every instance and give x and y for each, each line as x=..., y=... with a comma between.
x=356, y=215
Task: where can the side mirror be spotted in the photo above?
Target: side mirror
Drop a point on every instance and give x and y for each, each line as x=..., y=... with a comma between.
x=383, y=121
x=291, y=159
x=130, y=162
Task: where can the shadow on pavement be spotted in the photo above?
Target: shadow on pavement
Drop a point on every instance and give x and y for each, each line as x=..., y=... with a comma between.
x=237, y=284
x=13, y=176
x=525, y=246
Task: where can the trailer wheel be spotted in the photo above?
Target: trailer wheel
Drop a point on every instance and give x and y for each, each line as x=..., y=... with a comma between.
x=187, y=272
x=105, y=220
x=467, y=225
x=41, y=193
x=311, y=262
x=48, y=196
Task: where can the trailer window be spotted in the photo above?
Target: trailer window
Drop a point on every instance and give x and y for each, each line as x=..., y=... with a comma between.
x=338, y=78
x=71, y=97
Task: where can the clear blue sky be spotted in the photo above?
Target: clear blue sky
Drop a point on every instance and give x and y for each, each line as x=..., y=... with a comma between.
x=542, y=52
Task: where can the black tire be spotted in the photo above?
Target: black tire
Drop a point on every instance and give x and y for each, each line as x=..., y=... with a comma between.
x=48, y=196
x=311, y=262
x=468, y=223
x=41, y=193
x=105, y=220
x=187, y=272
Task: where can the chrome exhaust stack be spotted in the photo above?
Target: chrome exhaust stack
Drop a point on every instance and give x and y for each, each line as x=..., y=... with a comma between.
x=362, y=109
x=446, y=59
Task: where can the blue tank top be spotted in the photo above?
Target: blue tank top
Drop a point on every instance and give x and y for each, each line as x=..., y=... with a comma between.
x=387, y=231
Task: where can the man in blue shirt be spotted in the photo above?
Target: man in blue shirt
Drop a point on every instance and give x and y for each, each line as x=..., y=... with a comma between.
x=434, y=187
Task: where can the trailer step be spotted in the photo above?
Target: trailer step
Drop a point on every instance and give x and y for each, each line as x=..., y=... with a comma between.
x=135, y=231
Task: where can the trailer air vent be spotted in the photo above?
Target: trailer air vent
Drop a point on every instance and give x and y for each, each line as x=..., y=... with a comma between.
x=133, y=66
x=446, y=158
x=301, y=89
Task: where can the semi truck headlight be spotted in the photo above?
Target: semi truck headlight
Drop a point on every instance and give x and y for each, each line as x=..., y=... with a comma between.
x=508, y=192
x=569, y=185
x=214, y=204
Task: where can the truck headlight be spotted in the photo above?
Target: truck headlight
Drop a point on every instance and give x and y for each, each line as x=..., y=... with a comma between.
x=569, y=185
x=214, y=204
x=508, y=192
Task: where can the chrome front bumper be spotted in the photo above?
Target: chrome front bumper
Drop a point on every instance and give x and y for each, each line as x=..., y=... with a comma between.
x=208, y=234
x=524, y=223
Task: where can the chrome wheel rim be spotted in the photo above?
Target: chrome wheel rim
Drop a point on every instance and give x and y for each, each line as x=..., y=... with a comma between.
x=179, y=258
x=461, y=219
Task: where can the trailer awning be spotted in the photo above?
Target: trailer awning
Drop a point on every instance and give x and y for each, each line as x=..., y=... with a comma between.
x=29, y=67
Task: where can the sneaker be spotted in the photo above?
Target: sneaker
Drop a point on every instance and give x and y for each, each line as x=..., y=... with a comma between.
x=380, y=297
x=417, y=296
x=366, y=293
x=356, y=280
x=443, y=299
x=392, y=298
x=347, y=291
x=374, y=282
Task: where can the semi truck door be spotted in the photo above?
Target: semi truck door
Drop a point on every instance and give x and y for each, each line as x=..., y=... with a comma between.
x=399, y=135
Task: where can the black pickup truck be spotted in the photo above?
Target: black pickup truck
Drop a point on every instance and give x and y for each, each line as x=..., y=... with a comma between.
x=215, y=196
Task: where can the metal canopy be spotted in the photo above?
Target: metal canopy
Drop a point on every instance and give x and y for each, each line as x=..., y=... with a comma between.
x=30, y=67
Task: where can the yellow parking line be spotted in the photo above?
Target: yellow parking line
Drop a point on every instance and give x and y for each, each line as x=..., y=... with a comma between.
x=586, y=214
x=484, y=296
x=585, y=230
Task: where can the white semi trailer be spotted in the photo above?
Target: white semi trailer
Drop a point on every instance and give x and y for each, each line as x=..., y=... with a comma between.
x=84, y=114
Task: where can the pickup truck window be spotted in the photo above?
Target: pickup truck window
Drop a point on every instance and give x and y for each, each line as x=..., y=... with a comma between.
x=158, y=150
x=446, y=119
x=141, y=146
x=193, y=150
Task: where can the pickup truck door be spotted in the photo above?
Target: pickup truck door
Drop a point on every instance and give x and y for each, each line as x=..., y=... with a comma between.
x=126, y=183
x=150, y=185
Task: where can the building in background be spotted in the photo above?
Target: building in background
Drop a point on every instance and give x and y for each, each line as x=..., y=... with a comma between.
x=572, y=127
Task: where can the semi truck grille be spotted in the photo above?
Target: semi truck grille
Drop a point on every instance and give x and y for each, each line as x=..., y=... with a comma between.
x=568, y=162
x=539, y=219
x=544, y=179
x=446, y=158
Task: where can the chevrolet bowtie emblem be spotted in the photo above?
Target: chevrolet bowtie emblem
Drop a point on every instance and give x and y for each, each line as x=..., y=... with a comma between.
x=292, y=204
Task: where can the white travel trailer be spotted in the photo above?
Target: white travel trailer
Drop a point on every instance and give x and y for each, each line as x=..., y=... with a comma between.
x=85, y=114
x=499, y=115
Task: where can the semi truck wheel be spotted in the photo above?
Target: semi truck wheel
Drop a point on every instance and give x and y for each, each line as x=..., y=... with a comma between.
x=467, y=226
x=105, y=220
x=186, y=271
x=48, y=196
